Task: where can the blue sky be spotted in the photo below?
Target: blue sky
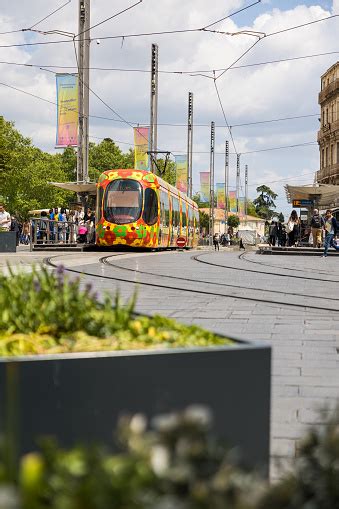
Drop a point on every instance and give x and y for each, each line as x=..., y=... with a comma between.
x=251, y=94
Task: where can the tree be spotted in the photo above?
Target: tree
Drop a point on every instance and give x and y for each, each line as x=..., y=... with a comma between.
x=168, y=173
x=264, y=202
x=204, y=221
x=233, y=221
x=251, y=210
x=281, y=217
x=106, y=155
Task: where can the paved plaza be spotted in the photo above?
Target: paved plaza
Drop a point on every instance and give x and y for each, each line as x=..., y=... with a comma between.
x=291, y=302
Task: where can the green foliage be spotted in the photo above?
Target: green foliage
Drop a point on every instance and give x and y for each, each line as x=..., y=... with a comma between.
x=204, y=221
x=264, y=203
x=176, y=464
x=168, y=173
x=106, y=155
x=233, y=221
x=251, y=210
x=46, y=311
x=281, y=217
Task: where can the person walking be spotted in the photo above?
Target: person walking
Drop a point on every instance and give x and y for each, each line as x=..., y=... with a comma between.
x=5, y=219
x=15, y=227
x=331, y=228
x=216, y=241
x=273, y=233
x=292, y=228
x=317, y=225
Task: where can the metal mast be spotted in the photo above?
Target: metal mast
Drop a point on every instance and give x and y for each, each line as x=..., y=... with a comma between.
x=246, y=191
x=154, y=107
x=211, y=221
x=227, y=177
x=190, y=144
x=83, y=89
x=238, y=182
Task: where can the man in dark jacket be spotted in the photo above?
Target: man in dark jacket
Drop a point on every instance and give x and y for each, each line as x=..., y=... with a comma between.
x=331, y=228
x=317, y=225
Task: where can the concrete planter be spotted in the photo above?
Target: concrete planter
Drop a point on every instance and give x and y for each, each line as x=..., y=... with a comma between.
x=7, y=242
x=79, y=397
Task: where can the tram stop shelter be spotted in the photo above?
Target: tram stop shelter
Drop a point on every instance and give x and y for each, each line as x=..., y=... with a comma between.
x=88, y=188
x=321, y=196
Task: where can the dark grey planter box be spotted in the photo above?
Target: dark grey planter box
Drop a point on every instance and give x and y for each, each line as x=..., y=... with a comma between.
x=7, y=242
x=79, y=397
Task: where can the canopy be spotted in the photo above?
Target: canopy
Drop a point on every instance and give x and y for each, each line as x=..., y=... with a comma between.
x=324, y=195
x=77, y=187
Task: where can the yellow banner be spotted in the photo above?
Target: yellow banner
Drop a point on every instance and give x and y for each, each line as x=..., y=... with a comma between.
x=67, y=110
x=181, y=173
x=141, y=147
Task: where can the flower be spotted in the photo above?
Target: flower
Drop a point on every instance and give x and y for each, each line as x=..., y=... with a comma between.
x=120, y=231
x=100, y=231
x=159, y=459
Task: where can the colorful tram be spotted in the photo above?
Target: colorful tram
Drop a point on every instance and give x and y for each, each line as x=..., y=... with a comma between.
x=138, y=209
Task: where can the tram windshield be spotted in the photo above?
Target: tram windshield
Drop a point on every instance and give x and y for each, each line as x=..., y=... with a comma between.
x=123, y=201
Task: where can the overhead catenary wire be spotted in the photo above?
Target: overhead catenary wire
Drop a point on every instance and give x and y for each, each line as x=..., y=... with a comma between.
x=164, y=32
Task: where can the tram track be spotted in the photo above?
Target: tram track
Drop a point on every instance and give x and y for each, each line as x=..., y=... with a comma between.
x=105, y=261
x=243, y=269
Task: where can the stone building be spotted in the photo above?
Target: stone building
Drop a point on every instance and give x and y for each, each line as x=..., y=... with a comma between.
x=328, y=135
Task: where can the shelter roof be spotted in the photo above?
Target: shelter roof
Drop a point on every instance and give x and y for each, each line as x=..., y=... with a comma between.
x=77, y=187
x=324, y=194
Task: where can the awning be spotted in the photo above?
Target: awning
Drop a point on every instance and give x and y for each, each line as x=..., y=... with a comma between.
x=324, y=195
x=77, y=187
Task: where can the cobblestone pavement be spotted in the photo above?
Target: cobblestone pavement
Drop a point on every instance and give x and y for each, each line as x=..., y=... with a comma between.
x=292, y=302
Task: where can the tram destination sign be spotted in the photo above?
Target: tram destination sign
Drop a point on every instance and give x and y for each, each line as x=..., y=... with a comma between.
x=303, y=203
x=181, y=242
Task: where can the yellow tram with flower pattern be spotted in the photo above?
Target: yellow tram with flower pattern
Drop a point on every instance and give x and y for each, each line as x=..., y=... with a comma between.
x=139, y=209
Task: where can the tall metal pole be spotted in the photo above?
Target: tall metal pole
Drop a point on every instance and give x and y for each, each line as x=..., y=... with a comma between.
x=246, y=191
x=227, y=177
x=154, y=106
x=83, y=89
x=190, y=145
x=211, y=219
x=238, y=182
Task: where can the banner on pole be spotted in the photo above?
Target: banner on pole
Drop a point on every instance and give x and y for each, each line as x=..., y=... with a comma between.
x=141, y=147
x=67, y=110
x=221, y=196
x=241, y=206
x=233, y=201
x=181, y=173
x=205, y=186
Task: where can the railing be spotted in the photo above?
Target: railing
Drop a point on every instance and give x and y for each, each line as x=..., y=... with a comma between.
x=328, y=172
x=328, y=90
x=328, y=129
x=44, y=231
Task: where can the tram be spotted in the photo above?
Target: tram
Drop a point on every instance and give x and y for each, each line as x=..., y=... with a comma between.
x=139, y=209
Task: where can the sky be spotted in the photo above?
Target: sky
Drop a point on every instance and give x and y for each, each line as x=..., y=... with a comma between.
x=250, y=94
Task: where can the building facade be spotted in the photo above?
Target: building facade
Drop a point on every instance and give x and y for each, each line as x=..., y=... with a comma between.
x=328, y=135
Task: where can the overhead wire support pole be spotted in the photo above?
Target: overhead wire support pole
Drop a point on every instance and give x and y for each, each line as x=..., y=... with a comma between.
x=83, y=90
x=154, y=105
x=190, y=145
x=246, y=193
x=227, y=178
x=211, y=218
x=238, y=182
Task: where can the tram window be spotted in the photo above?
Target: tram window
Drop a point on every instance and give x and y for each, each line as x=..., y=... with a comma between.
x=150, y=214
x=164, y=208
x=123, y=200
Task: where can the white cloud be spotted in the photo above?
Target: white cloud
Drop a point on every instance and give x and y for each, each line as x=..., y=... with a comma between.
x=248, y=95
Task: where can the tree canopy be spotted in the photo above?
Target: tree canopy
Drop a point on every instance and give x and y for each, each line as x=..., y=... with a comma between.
x=264, y=203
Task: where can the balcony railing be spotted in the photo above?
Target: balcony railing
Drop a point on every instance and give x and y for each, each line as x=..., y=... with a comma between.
x=329, y=172
x=328, y=129
x=328, y=91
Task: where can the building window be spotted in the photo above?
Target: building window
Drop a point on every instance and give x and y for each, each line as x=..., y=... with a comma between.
x=323, y=158
x=326, y=117
x=337, y=153
x=326, y=156
x=332, y=154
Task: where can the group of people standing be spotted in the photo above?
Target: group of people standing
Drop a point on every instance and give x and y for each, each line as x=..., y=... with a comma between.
x=62, y=226
x=323, y=230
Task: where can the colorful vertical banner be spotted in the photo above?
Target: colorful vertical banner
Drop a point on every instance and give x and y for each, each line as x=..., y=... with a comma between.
x=205, y=186
x=241, y=206
x=141, y=147
x=181, y=173
x=233, y=201
x=221, y=196
x=67, y=110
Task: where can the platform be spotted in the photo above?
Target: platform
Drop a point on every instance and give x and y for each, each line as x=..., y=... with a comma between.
x=292, y=251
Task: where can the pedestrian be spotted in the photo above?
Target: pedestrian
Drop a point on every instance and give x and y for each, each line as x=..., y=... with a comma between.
x=317, y=225
x=273, y=233
x=331, y=228
x=216, y=241
x=5, y=218
x=26, y=233
x=292, y=228
x=241, y=244
x=89, y=219
x=43, y=227
x=15, y=228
